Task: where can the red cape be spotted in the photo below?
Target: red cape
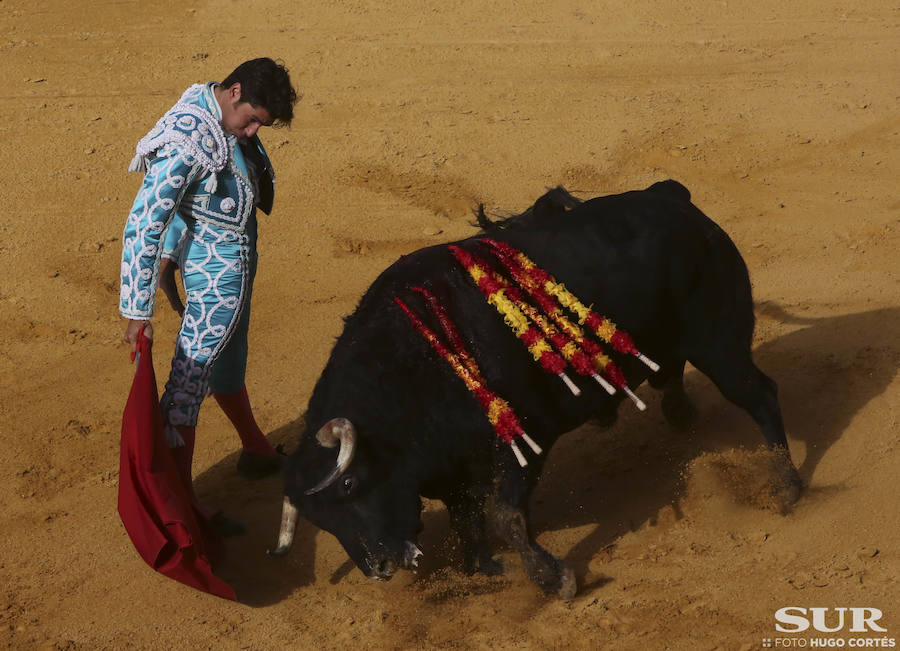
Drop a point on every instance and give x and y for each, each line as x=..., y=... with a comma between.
x=169, y=533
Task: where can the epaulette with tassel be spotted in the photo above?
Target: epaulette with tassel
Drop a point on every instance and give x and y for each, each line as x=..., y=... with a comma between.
x=195, y=131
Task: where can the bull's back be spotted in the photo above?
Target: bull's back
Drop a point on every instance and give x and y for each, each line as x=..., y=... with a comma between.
x=644, y=259
x=637, y=257
x=634, y=256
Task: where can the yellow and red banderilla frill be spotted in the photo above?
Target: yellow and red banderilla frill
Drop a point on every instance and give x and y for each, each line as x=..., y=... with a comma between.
x=540, y=285
x=600, y=325
x=495, y=294
x=571, y=348
x=500, y=415
x=590, y=348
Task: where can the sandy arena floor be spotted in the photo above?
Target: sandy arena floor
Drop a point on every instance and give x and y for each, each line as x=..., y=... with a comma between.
x=781, y=117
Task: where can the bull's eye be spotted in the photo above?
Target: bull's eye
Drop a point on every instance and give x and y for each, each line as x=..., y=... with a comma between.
x=347, y=484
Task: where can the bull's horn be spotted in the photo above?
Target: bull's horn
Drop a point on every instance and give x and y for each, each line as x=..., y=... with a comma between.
x=337, y=429
x=288, y=524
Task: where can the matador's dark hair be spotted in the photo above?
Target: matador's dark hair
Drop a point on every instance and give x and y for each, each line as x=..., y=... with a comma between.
x=266, y=83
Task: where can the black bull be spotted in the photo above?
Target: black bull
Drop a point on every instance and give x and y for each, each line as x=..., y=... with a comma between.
x=390, y=421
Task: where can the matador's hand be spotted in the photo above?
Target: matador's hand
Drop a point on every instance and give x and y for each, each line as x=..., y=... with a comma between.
x=134, y=329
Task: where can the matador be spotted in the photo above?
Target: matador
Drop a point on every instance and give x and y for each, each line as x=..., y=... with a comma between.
x=205, y=174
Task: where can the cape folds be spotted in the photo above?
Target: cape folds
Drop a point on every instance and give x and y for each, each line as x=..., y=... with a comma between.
x=165, y=526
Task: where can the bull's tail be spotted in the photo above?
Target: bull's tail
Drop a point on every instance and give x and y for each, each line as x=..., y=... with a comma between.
x=551, y=203
x=484, y=222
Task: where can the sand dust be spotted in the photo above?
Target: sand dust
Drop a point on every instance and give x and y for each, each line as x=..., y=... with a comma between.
x=781, y=118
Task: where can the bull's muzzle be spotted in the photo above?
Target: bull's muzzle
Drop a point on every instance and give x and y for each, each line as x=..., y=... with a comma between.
x=383, y=567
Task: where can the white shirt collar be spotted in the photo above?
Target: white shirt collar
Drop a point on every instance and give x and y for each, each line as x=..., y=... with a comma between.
x=213, y=102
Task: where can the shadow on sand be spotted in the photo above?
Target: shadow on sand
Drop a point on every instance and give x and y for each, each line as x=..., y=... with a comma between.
x=615, y=479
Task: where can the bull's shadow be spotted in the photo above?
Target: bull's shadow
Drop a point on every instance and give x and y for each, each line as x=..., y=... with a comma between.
x=615, y=479
x=259, y=579
x=827, y=370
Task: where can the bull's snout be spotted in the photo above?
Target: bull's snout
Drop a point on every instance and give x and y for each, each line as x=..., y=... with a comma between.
x=383, y=567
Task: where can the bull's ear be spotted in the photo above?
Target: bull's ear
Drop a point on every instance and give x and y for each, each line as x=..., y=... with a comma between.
x=334, y=431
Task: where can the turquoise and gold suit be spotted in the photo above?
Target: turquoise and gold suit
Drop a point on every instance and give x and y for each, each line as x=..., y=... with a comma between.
x=197, y=205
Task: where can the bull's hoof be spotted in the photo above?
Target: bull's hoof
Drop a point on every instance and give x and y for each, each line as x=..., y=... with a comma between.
x=792, y=485
x=788, y=485
x=552, y=575
x=568, y=585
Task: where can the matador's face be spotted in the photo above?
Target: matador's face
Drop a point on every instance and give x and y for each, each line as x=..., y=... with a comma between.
x=241, y=119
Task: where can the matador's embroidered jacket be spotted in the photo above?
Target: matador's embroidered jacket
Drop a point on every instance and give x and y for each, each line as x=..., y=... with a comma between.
x=190, y=169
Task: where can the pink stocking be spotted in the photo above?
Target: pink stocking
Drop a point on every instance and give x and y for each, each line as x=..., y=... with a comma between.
x=237, y=407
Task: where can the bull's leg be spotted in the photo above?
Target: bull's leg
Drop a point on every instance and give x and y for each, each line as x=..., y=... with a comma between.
x=509, y=519
x=746, y=386
x=677, y=407
x=467, y=518
x=741, y=382
x=716, y=328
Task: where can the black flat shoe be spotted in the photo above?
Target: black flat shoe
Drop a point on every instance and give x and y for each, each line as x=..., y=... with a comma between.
x=256, y=466
x=226, y=526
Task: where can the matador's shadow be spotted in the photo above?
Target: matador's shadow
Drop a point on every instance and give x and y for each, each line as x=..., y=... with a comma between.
x=615, y=479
